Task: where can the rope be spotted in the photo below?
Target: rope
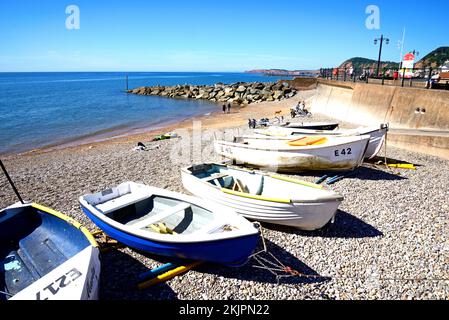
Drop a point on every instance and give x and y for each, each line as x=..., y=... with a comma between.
x=385, y=150
x=105, y=242
x=276, y=265
x=279, y=270
x=6, y=293
x=258, y=226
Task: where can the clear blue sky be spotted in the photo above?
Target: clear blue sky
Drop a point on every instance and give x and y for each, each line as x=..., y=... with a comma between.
x=206, y=35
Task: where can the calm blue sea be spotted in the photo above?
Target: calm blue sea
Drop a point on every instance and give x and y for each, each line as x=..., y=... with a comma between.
x=41, y=109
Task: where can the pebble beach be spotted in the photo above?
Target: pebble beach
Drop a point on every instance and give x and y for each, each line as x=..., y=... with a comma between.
x=389, y=239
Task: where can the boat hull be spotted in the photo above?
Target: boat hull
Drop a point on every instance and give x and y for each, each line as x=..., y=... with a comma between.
x=45, y=255
x=218, y=251
x=317, y=126
x=81, y=275
x=340, y=157
x=376, y=141
x=305, y=216
x=377, y=136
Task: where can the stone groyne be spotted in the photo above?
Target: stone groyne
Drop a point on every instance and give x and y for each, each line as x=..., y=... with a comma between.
x=241, y=93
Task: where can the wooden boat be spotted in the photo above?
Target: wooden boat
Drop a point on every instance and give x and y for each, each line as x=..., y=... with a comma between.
x=305, y=153
x=171, y=224
x=263, y=197
x=377, y=135
x=45, y=255
x=311, y=125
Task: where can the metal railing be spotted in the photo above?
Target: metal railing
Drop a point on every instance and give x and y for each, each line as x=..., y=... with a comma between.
x=420, y=78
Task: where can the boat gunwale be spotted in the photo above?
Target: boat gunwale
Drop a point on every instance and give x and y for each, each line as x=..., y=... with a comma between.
x=269, y=136
x=255, y=197
x=310, y=124
x=279, y=200
x=294, y=149
x=72, y=222
x=69, y=220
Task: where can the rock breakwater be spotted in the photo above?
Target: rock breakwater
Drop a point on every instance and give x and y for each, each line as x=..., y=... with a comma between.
x=241, y=93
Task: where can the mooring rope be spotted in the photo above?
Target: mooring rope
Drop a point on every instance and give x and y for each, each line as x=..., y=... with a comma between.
x=276, y=266
x=6, y=293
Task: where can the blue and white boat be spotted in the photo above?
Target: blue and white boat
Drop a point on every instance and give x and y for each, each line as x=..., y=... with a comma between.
x=171, y=224
x=45, y=255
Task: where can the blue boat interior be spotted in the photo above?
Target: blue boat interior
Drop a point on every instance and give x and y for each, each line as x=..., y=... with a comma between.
x=32, y=244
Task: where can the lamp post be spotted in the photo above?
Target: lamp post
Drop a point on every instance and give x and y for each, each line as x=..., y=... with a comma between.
x=415, y=53
x=381, y=39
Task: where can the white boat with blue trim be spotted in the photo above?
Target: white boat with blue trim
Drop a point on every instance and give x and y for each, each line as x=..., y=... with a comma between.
x=263, y=197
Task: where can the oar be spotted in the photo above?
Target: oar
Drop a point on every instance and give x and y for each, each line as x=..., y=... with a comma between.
x=10, y=182
x=320, y=180
x=340, y=177
x=168, y=275
x=6, y=293
x=402, y=166
x=153, y=273
x=334, y=179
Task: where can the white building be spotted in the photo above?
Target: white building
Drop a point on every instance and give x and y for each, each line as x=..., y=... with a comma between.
x=445, y=67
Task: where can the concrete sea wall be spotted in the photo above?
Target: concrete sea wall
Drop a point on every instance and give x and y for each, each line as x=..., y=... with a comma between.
x=419, y=118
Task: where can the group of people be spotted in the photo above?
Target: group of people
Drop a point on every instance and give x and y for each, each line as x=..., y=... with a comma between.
x=300, y=110
x=253, y=123
x=301, y=106
x=228, y=108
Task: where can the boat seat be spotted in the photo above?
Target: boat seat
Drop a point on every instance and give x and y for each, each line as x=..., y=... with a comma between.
x=160, y=216
x=215, y=176
x=121, y=202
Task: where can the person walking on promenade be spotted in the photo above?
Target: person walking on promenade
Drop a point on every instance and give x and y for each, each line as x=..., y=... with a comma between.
x=224, y=108
x=229, y=108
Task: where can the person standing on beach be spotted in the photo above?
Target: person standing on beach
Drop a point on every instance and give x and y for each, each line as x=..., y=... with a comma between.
x=229, y=108
x=224, y=108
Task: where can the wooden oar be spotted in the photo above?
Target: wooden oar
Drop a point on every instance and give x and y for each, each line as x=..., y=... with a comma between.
x=320, y=180
x=153, y=273
x=402, y=166
x=168, y=275
x=332, y=180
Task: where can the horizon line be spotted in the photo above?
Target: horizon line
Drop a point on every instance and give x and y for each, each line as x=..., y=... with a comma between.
x=191, y=71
